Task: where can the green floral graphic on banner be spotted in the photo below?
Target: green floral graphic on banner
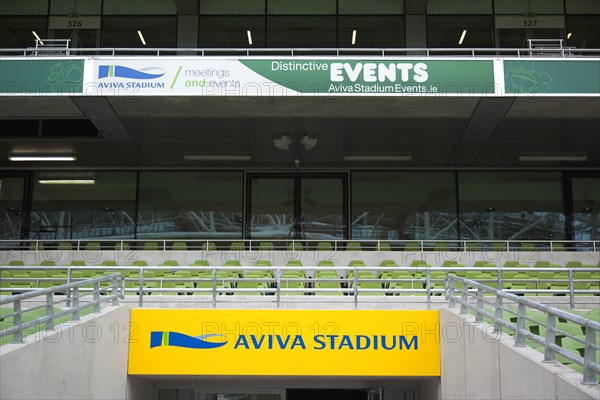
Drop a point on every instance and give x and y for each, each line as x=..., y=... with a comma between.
x=552, y=77
x=41, y=76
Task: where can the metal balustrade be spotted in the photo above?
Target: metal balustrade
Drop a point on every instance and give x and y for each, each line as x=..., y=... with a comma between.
x=546, y=51
x=75, y=301
x=302, y=245
x=357, y=283
x=471, y=295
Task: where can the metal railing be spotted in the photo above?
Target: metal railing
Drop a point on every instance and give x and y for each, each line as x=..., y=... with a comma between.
x=275, y=283
x=302, y=244
x=471, y=296
x=563, y=52
x=75, y=302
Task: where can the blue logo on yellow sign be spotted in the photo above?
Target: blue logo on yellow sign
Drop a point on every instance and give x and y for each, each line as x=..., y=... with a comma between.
x=177, y=339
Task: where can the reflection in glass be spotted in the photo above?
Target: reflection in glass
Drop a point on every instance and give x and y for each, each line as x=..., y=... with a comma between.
x=586, y=208
x=11, y=207
x=511, y=206
x=196, y=205
x=403, y=205
x=446, y=31
x=102, y=208
x=272, y=208
x=322, y=207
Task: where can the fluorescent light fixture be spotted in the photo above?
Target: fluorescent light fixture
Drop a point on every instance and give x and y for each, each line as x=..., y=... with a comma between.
x=462, y=37
x=543, y=158
x=249, y=37
x=67, y=181
x=353, y=37
x=217, y=157
x=15, y=157
x=569, y=35
x=283, y=143
x=37, y=37
x=142, y=37
x=308, y=142
x=378, y=158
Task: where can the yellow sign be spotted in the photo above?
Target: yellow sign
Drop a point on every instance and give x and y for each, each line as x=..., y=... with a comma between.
x=284, y=342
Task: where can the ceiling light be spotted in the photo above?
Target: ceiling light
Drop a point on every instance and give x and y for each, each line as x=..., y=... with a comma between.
x=142, y=37
x=569, y=35
x=249, y=37
x=462, y=37
x=308, y=142
x=378, y=158
x=353, y=37
x=15, y=157
x=553, y=158
x=37, y=37
x=283, y=143
x=217, y=157
x=67, y=181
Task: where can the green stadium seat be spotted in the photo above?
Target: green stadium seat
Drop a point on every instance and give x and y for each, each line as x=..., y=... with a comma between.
x=122, y=246
x=208, y=246
x=527, y=247
x=266, y=246
x=323, y=263
x=441, y=246
x=295, y=246
x=353, y=246
x=170, y=263
x=200, y=263
x=179, y=246
x=499, y=246
x=329, y=285
x=324, y=246
x=150, y=246
x=250, y=285
x=36, y=246
x=412, y=246
x=356, y=263
x=298, y=263
x=237, y=246
x=558, y=247
x=16, y=263
x=47, y=263
x=472, y=246
x=64, y=246
x=92, y=246
x=169, y=285
x=384, y=246
x=574, y=264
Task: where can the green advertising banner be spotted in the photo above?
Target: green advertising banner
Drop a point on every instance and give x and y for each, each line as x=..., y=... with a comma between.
x=552, y=77
x=379, y=77
x=57, y=76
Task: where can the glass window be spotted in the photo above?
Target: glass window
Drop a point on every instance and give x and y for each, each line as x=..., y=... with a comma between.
x=272, y=208
x=195, y=205
x=459, y=7
x=583, y=31
x=304, y=7
x=231, y=31
x=232, y=7
x=586, y=208
x=133, y=7
x=176, y=394
x=528, y=7
x=11, y=207
x=404, y=205
x=371, y=31
x=21, y=7
x=511, y=206
x=322, y=208
x=381, y=7
x=583, y=6
x=16, y=32
x=300, y=31
x=447, y=31
x=83, y=205
x=80, y=7
x=123, y=31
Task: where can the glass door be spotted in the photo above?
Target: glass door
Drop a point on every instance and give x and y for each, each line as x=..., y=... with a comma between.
x=12, y=207
x=296, y=207
x=585, y=207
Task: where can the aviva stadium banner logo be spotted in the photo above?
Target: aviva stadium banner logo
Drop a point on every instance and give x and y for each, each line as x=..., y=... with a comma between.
x=285, y=342
x=130, y=78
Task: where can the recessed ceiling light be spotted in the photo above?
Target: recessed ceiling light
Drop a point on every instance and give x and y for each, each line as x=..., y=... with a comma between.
x=37, y=37
x=353, y=37
x=249, y=34
x=16, y=157
x=142, y=37
x=569, y=35
x=67, y=181
x=554, y=158
x=217, y=157
x=462, y=37
x=378, y=158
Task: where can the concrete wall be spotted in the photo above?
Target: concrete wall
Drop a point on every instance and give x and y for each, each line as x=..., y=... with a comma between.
x=80, y=360
x=478, y=364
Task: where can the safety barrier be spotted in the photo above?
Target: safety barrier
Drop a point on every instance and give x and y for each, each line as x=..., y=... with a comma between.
x=471, y=295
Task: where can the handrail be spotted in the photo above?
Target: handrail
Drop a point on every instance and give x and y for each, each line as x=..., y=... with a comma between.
x=564, y=52
x=472, y=289
x=352, y=279
x=307, y=244
x=75, y=292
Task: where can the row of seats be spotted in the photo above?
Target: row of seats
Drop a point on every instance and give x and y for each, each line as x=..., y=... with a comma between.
x=297, y=246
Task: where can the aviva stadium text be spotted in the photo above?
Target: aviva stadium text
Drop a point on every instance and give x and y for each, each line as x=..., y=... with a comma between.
x=327, y=342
